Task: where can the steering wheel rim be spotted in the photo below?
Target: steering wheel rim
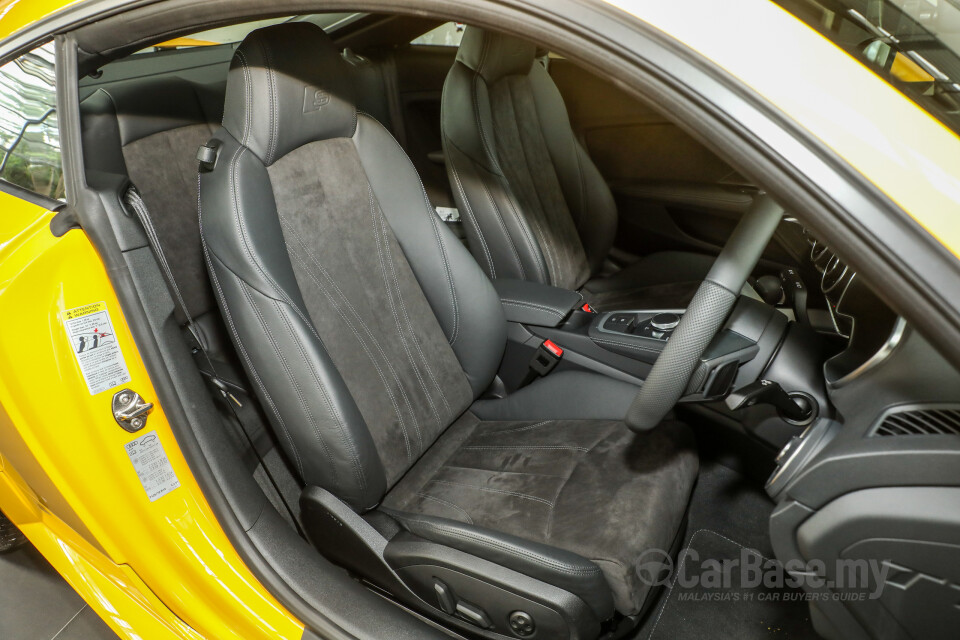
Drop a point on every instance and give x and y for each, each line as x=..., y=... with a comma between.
x=705, y=315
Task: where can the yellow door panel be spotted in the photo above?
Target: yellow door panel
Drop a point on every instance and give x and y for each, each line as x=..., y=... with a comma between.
x=67, y=480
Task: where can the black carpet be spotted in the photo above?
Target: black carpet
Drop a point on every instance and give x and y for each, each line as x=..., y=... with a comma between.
x=709, y=602
x=728, y=512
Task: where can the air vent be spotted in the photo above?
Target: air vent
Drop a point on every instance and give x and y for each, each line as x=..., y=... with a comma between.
x=921, y=421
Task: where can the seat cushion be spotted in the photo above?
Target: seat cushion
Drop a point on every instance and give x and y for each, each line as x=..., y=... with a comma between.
x=663, y=280
x=591, y=487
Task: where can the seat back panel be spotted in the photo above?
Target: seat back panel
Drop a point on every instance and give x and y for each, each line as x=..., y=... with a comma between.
x=535, y=206
x=365, y=302
x=164, y=169
x=528, y=168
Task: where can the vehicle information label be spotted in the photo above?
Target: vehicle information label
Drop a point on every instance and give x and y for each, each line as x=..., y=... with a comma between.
x=95, y=346
x=152, y=465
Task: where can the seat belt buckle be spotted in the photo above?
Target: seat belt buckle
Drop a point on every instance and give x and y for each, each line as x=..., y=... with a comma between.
x=546, y=358
x=586, y=308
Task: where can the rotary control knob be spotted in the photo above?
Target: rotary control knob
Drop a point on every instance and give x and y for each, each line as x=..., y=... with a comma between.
x=665, y=321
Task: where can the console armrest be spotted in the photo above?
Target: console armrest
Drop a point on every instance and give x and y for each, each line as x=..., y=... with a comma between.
x=534, y=303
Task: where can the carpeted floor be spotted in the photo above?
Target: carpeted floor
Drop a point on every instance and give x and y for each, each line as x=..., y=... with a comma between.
x=728, y=514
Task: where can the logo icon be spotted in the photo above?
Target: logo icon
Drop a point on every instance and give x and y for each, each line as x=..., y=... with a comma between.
x=654, y=567
x=314, y=99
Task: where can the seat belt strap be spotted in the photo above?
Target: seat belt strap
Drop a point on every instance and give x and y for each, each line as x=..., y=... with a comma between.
x=244, y=416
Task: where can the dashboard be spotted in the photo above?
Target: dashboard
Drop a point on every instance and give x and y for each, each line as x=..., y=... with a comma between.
x=839, y=305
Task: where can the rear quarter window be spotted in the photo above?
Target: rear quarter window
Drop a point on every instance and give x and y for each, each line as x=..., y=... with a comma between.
x=29, y=133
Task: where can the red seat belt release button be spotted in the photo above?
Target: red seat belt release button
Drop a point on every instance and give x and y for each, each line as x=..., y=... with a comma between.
x=552, y=347
x=546, y=358
x=586, y=307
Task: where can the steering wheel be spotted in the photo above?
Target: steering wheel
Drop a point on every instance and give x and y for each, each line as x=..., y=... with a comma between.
x=705, y=315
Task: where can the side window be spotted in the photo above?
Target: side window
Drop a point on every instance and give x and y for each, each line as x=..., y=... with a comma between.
x=446, y=35
x=29, y=137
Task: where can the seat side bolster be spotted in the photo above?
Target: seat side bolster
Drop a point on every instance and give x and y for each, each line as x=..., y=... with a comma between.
x=498, y=233
x=586, y=192
x=316, y=419
x=459, y=292
x=558, y=567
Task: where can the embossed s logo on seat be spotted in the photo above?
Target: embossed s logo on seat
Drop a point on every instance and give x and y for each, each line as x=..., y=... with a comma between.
x=314, y=99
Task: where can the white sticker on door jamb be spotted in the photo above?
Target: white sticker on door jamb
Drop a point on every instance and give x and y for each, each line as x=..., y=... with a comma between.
x=95, y=347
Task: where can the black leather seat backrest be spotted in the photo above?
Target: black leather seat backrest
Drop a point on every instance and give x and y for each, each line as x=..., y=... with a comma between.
x=366, y=327
x=535, y=206
x=149, y=130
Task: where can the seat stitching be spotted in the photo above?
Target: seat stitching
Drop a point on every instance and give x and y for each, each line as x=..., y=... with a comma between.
x=563, y=485
x=377, y=229
x=524, y=225
x=490, y=151
x=234, y=165
x=525, y=231
x=487, y=147
x=515, y=429
x=271, y=78
x=363, y=343
x=247, y=89
x=509, y=548
x=276, y=349
x=532, y=305
x=519, y=447
x=499, y=216
x=626, y=346
x=346, y=301
x=241, y=225
x=553, y=256
x=246, y=356
x=427, y=496
x=472, y=217
x=455, y=332
x=355, y=458
x=503, y=228
x=293, y=382
x=492, y=490
x=582, y=182
x=499, y=471
x=405, y=313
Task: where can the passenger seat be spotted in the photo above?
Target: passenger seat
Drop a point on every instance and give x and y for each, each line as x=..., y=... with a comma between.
x=534, y=205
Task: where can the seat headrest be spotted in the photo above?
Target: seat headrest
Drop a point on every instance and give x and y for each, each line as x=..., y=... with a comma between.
x=495, y=55
x=288, y=85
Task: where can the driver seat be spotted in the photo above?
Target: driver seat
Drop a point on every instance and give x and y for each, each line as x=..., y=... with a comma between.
x=370, y=333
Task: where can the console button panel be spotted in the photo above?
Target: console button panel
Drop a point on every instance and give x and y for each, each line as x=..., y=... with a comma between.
x=656, y=325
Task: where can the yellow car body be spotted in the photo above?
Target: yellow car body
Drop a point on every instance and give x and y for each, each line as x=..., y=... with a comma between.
x=166, y=569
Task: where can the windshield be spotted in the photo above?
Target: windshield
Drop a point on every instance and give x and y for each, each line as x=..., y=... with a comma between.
x=912, y=44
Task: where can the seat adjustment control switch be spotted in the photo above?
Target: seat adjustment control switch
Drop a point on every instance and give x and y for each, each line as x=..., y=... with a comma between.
x=473, y=614
x=445, y=597
x=522, y=624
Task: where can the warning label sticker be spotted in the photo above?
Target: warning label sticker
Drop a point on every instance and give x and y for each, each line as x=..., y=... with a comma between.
x=95, y=347
x=152, y=465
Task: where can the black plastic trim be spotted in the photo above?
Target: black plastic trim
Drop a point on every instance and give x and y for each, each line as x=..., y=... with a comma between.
x=50, y=204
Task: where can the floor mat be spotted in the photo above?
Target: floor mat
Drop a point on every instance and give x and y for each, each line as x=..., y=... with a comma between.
x=710, y=598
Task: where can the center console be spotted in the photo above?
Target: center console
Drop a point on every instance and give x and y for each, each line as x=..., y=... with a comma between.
x=625, y=344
